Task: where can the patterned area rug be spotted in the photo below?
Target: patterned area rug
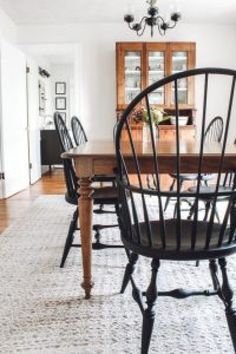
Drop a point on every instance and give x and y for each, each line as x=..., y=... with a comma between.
x=43, y=310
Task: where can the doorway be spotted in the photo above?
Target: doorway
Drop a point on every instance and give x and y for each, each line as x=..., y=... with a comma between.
x=52, y=85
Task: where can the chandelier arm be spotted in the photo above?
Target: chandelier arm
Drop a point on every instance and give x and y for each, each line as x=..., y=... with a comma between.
x=130, y=27
x=172, y=26
x=160, y=30
x=141, y=21
x=141, y=33
x=159, y=17
x=145, y=24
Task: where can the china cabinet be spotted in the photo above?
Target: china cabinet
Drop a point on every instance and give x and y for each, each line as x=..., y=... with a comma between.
x=139, y=64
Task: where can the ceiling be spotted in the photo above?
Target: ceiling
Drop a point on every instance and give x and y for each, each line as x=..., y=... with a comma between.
x=112, y=11
x=53, y=53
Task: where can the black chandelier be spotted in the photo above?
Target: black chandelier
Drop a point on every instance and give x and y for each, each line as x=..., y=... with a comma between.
x=152, y=19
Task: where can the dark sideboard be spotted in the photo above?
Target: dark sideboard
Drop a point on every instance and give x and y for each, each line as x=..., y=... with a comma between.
x=50, y=148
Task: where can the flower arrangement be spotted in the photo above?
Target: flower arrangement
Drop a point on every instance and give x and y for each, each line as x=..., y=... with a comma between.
x=140, y=114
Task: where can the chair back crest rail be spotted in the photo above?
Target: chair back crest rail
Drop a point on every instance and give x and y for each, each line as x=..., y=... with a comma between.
x=79, y=134
x=146, y=228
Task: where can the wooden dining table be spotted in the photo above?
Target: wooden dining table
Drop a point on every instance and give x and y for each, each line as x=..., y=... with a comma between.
x=98, y=157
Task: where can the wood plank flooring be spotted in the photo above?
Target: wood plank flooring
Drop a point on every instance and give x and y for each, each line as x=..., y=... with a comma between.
x=13, y=208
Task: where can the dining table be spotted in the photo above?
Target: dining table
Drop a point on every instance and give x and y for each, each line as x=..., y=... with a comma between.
x=98, y=157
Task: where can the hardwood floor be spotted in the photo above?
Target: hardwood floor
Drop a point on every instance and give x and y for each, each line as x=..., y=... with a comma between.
x=13, y=208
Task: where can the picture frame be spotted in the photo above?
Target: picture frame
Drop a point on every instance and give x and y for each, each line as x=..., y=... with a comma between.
x=42, y=98
x=60, y=88
x=60, y=103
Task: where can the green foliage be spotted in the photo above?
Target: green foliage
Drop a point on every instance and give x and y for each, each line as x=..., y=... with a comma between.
x=157, y=115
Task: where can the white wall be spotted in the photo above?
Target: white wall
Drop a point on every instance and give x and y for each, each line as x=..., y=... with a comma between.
x=64, y=72
x=216, y=46
x=8, y=30
x=62, y=61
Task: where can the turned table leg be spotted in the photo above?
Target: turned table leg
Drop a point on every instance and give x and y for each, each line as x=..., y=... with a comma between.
x=85, y=218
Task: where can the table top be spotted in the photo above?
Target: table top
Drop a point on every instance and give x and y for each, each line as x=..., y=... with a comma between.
x=167, y=148
x=98, y=157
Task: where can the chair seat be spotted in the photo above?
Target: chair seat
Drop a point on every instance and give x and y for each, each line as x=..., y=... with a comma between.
x=170, y=251
x=104, y=178
x=207, y=176
x=186, y=176
x=105, y=195
x=193, y=176
x=210, y=189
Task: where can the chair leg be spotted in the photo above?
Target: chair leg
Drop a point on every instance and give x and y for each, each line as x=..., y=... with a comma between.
x=175, y=209
x=214, y=269
x=191, y=211
x=231, y=319
x=97, y=228
x=97, y=235
x=70, y=237
x=168, y=198
x=149, y=312
x=207, y=207
x=129, y=270
x=226, y=295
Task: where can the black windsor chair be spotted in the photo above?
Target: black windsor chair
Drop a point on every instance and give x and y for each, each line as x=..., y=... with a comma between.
x=206, y=197
x=80, y=137
x=103, y=195
x=213, y=133
x=148, y=232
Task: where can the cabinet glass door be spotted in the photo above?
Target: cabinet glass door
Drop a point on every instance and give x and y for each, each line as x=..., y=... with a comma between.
x=156, y=71
x=180, y=63
x=132, y=75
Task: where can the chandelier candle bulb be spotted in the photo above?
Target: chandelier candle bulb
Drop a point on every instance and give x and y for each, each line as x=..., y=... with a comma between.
x=167, y=17
x=129, y=9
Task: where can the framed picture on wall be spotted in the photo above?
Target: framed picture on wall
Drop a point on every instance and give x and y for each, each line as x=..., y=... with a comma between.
x=42, y=98
x=60, y=88
x=60, y=103
x=63, y=115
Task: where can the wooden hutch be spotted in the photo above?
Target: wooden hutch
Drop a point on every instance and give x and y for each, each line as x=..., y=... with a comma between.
x=139, y=64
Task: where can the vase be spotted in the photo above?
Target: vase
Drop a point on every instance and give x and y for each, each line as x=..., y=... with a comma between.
x=147, y=139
